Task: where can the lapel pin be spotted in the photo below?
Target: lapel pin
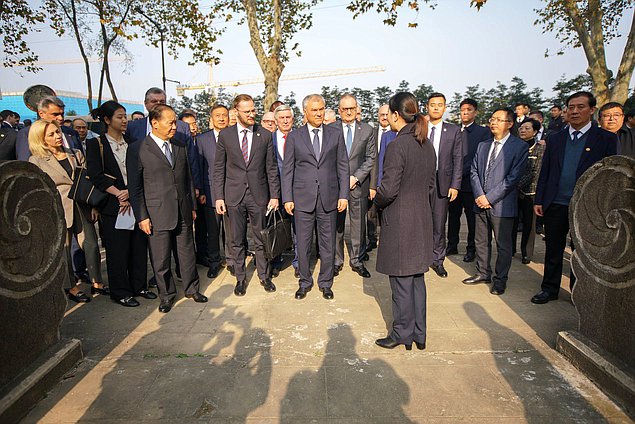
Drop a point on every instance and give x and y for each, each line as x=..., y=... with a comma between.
x=588, y=149
x=257, y=134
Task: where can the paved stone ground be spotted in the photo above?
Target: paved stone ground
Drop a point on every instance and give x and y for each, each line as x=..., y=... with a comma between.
x=268, y=358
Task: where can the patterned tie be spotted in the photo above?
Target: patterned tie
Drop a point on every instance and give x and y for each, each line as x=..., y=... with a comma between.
x=166, y=151
x=245, y=147
x=349, y=139
x=284, y=143
x=316, y=143
x=490, y=162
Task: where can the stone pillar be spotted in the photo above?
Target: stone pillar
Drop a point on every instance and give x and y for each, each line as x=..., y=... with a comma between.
x=602, y=222
x=33, y=272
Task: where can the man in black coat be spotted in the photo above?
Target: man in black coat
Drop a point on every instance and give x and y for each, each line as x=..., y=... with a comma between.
x=612, y=119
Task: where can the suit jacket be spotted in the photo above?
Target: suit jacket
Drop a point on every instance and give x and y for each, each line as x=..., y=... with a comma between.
x=157, y=190
x=474, y=135
x=599, y=144
x=280, y=160
x=63, y=182
x=303, y=175
x=362, y=156
x=405, y=246
x=106, y=175
x=504, y=175
x=626, y=145
x=206, y=144
x=138, y=130
x=22, y=151
x=450, y=158
x=386, y=139
x=7, y=144
x=556, y=125
x=232, y=175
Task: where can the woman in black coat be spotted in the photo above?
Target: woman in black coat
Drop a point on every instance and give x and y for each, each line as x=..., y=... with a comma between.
x=126, y=249
x=405, y=244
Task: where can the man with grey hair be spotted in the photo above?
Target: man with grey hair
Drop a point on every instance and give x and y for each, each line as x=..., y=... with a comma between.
x=83, y=133
x=329, y=116
x=49, y=108
x=268, y=121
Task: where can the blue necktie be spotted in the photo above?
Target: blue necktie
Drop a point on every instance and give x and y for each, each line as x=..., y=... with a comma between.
x=349, y=139
x=166, y=151
x=316, y=143
x=576, y=136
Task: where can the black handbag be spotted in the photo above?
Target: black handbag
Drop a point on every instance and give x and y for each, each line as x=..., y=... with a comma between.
x=83, y=191
x=276, y=236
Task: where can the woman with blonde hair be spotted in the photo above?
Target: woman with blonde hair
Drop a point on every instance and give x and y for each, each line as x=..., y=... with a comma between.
x=61, y=163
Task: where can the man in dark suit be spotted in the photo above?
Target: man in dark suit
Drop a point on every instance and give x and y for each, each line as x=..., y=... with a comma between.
x=496, y=169
x=164, y=203
x=448, y=141
x=612, y=119
x=7, y=143
x=568, y=154
x=315, y=186
x=361, y=147
x=521, y=110
x=464, y=202
x=246, y=184
x=206, y=144
x=556, y=123
x=10, y=119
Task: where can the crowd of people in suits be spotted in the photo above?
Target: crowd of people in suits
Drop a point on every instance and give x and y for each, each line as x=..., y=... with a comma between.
x=174, y=192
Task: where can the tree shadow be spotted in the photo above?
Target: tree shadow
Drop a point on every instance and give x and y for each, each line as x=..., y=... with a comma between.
x=540, y=387
x=346, y=387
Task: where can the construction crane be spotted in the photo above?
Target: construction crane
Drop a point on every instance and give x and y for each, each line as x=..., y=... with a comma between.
x=180, y=90
x=74, y=61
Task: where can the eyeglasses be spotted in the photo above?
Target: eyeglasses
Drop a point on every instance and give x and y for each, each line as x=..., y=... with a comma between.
x=497, y=120
x=349, y=109
x=614, y=116
x=247, y=112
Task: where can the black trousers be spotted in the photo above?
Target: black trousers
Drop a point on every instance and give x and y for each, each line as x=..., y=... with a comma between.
x=200, y=231
x=464, y=203
x=486, y=223
x=528, y=218
x=351, y=230
x=439, y=218
x=372, y=222
x=161, y=244
x=215, y=236
x=126, y=258
x=238, y=220
x=408, y=308
x=556, y=221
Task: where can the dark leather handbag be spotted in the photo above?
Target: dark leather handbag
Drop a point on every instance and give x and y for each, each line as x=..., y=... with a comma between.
x=276, y=236
x=83, y=191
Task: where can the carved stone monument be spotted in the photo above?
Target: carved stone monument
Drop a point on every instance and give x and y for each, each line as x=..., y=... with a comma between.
x=602, y=222
x=33, y=272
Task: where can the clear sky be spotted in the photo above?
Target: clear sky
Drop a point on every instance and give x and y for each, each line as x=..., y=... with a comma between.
x=453, y=46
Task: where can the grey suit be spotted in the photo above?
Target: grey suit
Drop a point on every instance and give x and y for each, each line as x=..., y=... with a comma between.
x=351, y=224
x=165, y=194
x=315, y=184
x=246, y=189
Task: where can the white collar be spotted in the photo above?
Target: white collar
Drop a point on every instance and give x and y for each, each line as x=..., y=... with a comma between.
x=582, y=130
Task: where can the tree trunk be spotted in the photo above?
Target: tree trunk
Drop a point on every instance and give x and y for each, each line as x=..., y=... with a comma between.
x=272, y=80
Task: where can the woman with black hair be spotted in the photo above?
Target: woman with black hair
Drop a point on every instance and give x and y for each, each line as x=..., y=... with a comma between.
x=405, y=244
x=126, y=249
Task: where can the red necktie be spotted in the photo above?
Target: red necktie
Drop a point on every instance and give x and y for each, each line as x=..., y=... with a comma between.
x=244, y=147
x=284, y=142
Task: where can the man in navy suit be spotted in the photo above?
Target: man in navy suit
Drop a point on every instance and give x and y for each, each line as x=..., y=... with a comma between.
x=206, y=144
x=464, y=202
x=568, y=154
x=246, y=185
x=496, y=170
x=448, y=141
x=315, y=186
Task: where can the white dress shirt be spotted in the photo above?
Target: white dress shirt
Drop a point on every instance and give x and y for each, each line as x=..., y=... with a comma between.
x=345, y=128
x=380, y=132
x=119, y=149
x=250, y=135
x=489, y=152
x=160, y=143
x=320, y=134
x=582, y=130
x=280, y=142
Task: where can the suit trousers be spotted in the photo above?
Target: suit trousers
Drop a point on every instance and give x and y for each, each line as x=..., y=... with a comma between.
x=126, y=259
x=464, y=203
x=161, y=244
x=326, y=233
x=215, y=236
x=439, y=217
x=238, y=220
x=200, y=231
x=556, y=221
x=351, y=228
x=408, y=308
x=528, y=218
x=486, y=223
x=372, y=222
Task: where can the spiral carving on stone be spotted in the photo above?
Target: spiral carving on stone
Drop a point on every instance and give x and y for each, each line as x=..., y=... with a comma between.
x=32, y=230
x=602, y=222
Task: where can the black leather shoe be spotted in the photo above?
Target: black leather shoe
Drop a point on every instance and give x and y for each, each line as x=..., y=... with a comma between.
x=469, y=257
x=371, y=245
x=420, y=346
x=130, y=302
x=83, y=277
x=440, y=270
x=230, y=268
x=275, y=272
x=497, y=291
x=327, y=293
x=365, y=257
x=361, y=270
x=212, y=272
x=268, y=285
x=526, y=260
x=476, y=279
x=165, y=306
x=241, y=288
x=296, y=273
x=202, y=261
x=79, y=297
x=543, y=297
x=152, y=283
x=452, y=251
x=177, y=272
x=198, y=297
x=337, y=269
x=100, y=290
x=389, y=343
x=301, y=292
x=147, y=294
